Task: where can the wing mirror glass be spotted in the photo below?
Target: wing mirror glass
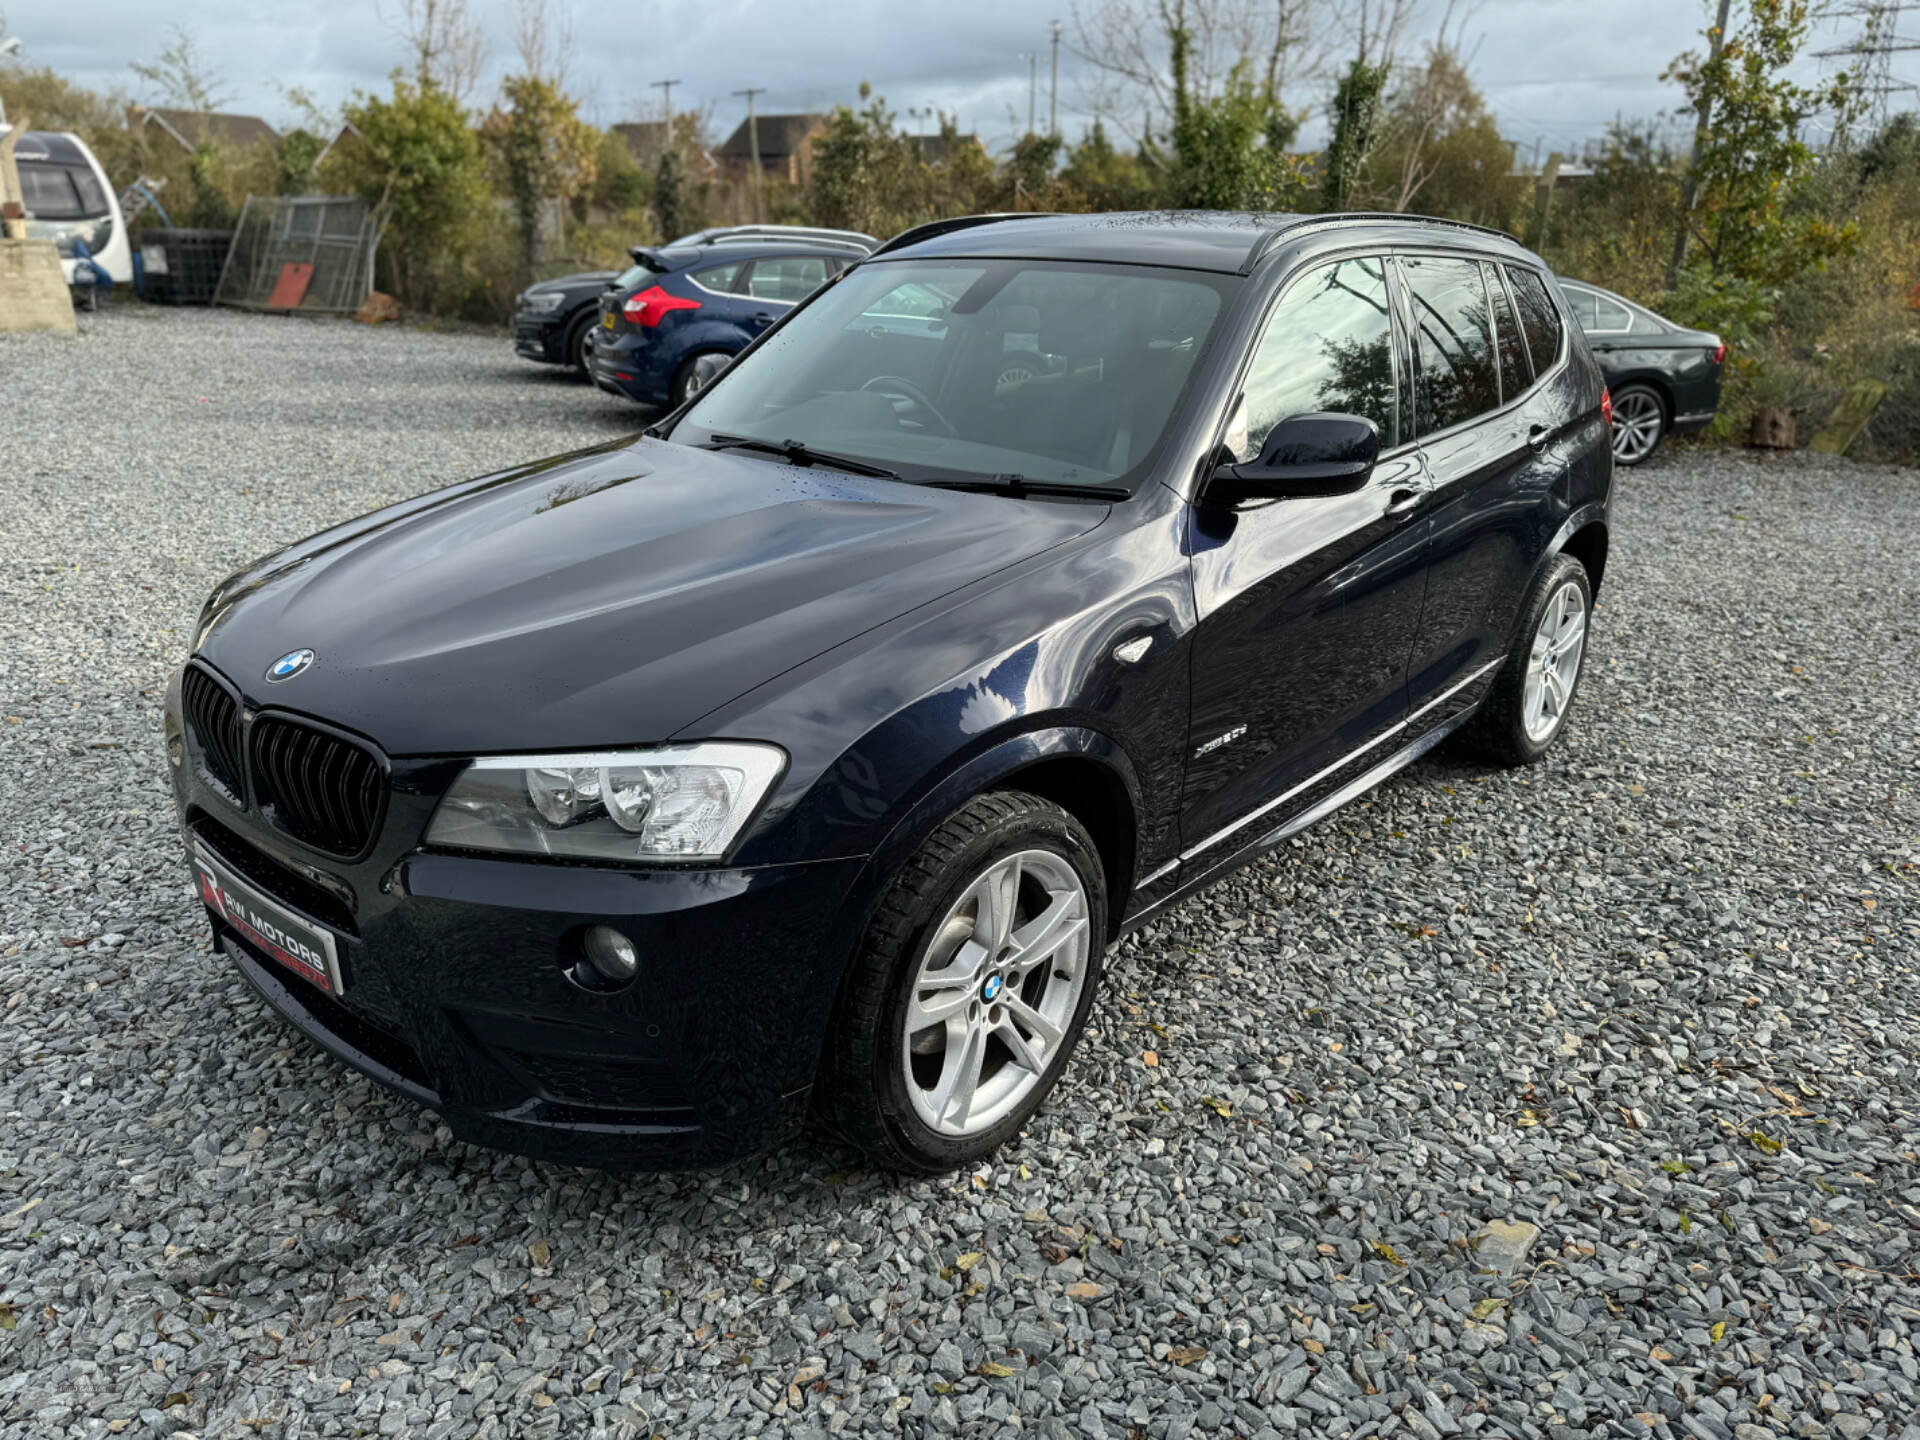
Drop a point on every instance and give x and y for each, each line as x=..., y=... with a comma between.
x=1304, y=455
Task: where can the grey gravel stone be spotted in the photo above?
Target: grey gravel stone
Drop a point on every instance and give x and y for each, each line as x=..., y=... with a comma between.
x=1570, y=996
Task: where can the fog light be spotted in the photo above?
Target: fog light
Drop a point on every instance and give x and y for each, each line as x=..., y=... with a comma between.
x=176, y=751
x=611, y=954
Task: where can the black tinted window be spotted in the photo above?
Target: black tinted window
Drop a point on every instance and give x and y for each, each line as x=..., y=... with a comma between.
x=1328, y=346
x=1539, y=320
x=1514, y=375
x=1453, y=342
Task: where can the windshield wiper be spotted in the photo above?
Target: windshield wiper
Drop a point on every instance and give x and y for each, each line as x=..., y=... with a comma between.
x=1018, y=485
x=800, y=454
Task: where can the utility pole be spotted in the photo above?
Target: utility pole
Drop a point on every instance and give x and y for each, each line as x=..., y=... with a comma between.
x=1053, y=92
x=666, y=102
x=1716, y=41
x=753, y=144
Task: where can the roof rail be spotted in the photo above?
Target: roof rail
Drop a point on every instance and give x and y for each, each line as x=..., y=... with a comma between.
x=914, y=234
x=1272, y=238
x=718, y=233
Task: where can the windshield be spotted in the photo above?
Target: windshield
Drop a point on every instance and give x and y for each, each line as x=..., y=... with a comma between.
x=1052, y=371
x=60, y=192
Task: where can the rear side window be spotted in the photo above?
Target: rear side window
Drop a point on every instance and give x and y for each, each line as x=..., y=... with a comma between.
x=787, y=278
x=1596, y=313
x=721, y=279
x=1514, y=373
x=1539, y=319
x=1453, y=341
x=1328, y=346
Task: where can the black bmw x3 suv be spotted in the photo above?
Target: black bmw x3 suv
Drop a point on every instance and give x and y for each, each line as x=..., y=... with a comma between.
x=806, y=753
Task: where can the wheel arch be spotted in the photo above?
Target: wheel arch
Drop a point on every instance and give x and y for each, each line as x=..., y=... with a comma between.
x=1083, y=771
x=1588, y=545
x=1080, y=769
x=1648, y=380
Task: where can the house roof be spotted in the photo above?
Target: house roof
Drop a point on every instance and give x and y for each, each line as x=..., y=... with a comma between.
x=347, y=131
x=643, y=137
x=780, y=136
x=193, y=128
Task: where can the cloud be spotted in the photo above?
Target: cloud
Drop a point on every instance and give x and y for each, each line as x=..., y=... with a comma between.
x=1553, y=71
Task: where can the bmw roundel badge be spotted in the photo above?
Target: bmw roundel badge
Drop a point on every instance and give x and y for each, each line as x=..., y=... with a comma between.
x=991, y=990
x=289, y=665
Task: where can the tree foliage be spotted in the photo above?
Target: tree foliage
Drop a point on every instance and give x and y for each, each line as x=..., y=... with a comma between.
x=540, y=152
x=1355, y=116
x=867, y=174
x=1755, y=154
x=1440, y=152
x=1098, y=176
x=418, y=157
x=1223, y=156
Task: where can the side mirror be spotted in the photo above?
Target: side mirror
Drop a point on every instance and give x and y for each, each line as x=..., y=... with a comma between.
x=1304, y=455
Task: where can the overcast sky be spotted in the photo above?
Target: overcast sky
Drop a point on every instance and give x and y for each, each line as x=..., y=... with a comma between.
x=1554, y=72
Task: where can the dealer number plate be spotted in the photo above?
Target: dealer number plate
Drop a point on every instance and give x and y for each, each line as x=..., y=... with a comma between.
x=267, y=925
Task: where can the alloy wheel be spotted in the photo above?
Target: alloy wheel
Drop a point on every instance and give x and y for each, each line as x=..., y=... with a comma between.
x=1553, y=667
x=1637, y=421
x=995, y=992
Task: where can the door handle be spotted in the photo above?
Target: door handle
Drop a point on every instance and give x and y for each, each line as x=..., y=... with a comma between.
x=1537, y=436
x=1401, y=501
x=763, y=318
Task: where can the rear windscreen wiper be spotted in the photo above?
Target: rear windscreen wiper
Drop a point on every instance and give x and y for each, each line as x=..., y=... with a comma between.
x=800, y=454
x=1017, y=485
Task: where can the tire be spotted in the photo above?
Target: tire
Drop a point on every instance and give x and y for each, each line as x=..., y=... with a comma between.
x=577, y=346
x=1524, y=713
x=887, y=1090
x=1639, y=424
x=687, y=381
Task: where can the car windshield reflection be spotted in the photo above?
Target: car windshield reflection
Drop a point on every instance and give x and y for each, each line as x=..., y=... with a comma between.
x=1056, y=372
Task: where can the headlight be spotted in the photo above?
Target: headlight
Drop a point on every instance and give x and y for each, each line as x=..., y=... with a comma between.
x=684, y=802
x=545, y=300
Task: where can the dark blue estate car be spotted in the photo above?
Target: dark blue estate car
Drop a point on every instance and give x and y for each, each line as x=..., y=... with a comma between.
x=808, y=750
x=669, y=324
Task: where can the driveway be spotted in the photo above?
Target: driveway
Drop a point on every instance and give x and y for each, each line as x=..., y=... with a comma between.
x=1578, y=1100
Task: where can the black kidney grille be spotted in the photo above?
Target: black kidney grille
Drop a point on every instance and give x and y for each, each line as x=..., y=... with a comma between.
x=214, y=718
x=320, y=788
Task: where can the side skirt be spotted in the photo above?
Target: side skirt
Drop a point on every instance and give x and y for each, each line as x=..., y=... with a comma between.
x=1314, y=813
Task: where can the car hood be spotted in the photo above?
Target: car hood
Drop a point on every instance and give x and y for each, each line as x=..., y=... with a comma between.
x=608, y=598
x=569, y=282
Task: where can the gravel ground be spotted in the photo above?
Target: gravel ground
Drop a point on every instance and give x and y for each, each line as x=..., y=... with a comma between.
x=1574, y=1101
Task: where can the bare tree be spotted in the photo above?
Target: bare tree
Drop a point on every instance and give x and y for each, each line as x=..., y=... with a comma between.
x=448, y=44
x=543, y=39
x=1435, y=97
x=183, y=75
x=1129, y=45
x=1378, y=28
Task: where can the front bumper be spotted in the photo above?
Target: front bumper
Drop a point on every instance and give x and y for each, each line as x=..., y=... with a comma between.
x=540, y=337
x=456, y=988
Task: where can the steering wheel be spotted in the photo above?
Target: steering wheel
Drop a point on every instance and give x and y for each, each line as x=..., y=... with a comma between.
x=899, y=385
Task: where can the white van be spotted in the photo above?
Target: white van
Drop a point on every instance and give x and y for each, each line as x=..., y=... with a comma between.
x=68, y=198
